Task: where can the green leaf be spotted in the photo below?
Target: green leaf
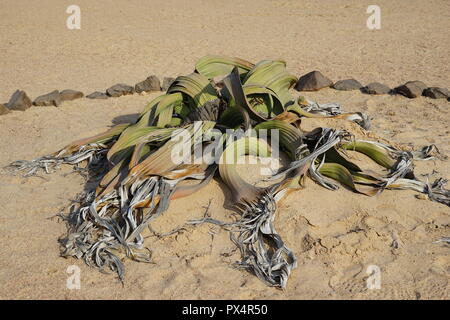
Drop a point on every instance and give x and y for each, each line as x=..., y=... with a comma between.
x=345, y=177
x=334, y=155
x=195, y=86
x=263, y=100
x=272, y=75
x=134, y=135
x=290, y=137
x=376, y=153
x=241, y=189
x=214, y=65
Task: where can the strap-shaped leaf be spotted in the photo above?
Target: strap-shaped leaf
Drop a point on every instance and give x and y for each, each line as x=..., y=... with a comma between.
x=373, y=151
x=196, y=86
x=134, y=135
x=272, y=75
x=263, y=100
x=290, y=137
x=212, y=66
x=236, y=96
x=242, y=190
x=343, y=175
x=102, y=138
x=161, y=160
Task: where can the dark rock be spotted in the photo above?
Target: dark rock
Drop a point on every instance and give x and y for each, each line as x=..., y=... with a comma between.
x=68, y=95
x=150, y=84
x=4, y=110
x=346, y=85
x=97, y=95
x=19, y=101
x=50, y=99
x=119, y=89
x=312, y=81
x=436, y=93
x=376, y=88
x=411, y=89
x=167, y=81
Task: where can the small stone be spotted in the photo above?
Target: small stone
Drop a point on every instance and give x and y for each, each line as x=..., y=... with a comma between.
x=4, y=110
x=312, y=81
x=120, y=89
x=50, y=99
x=150, y=84
x=376, y=88
x=436, y=93
x=167, y=82
x=346, y=85
x=411, y=89
x=19, y=101
x=68, y=95
x=97, y=95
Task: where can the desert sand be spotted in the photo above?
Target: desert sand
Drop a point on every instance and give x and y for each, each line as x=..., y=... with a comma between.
x=336, y=235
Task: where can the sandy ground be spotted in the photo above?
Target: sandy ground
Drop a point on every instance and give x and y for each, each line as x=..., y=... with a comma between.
x=335, y=235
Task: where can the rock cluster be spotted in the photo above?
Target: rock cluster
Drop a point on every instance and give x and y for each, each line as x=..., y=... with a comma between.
x=315, y=80
x=150, y=84
x=311, y=81
x=55, y=98
x=20, y=101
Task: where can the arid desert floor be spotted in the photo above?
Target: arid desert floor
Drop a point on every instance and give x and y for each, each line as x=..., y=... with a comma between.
x=336, y=235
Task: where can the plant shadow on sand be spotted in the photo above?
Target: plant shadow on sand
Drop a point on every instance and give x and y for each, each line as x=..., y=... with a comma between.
x=126, y=118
